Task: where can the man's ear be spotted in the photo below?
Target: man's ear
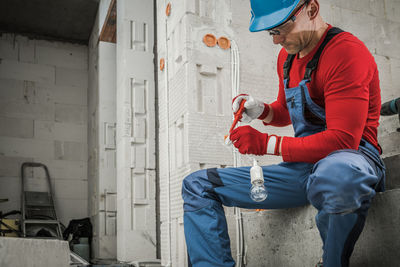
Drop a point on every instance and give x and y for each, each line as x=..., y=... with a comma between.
x=312, y=9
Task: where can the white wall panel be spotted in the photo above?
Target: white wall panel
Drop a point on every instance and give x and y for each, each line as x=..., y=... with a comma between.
x=135, y=138
x=103, y=195
x=198, y=104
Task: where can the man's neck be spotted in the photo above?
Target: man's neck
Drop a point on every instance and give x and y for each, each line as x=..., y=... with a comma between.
x=317, y=35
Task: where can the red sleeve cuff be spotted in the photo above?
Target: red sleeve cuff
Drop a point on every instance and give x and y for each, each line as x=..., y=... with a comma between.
x=265, y=112
x=285, y=148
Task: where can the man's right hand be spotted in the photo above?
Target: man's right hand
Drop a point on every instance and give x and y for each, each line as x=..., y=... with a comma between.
x=254, y=109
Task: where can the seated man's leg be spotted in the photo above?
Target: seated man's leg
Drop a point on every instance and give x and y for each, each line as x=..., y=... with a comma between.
x=205, y=191
x=341, y=187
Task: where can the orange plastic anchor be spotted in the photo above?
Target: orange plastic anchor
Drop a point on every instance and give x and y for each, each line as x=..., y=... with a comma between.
x=224, y=42
x=162, y=64
x=168, y=10
x=210, y=40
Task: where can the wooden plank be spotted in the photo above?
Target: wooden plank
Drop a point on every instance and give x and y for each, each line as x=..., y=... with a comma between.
x=109, y=30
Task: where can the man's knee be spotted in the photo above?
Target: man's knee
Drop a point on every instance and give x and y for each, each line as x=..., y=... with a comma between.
x=191, y=184
x=194, y=187
x=340, y=183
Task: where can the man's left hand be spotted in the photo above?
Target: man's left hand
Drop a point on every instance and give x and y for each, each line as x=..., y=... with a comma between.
x=250, y=141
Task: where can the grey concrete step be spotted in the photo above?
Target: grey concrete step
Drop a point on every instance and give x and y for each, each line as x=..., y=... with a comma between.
x=289, y=238
x=392, y=172
x=29, y=252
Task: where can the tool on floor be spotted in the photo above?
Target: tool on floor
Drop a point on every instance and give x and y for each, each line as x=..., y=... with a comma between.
x=37, y=208
x=9, y=226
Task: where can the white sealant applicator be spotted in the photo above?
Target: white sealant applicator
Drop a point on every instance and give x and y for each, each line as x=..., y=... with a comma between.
x=258, y=192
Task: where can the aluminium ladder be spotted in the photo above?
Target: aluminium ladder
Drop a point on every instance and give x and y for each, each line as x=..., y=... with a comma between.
x=37, y=208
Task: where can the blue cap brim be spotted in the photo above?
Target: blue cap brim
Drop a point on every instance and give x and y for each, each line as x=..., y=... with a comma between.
x=269, y=21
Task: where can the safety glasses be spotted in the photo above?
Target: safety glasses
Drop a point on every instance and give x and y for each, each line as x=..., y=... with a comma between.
x=286, y=26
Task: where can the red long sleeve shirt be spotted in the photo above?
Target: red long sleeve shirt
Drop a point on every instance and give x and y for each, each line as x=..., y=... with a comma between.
x=346, y=85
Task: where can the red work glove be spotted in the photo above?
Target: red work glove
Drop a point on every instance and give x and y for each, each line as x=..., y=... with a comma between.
x=250, y=141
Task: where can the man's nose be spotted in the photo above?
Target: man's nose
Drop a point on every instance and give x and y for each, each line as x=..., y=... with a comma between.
x=278, y=39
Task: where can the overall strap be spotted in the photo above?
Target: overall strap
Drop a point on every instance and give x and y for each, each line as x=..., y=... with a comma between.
x=312, y=65
x=286, y=66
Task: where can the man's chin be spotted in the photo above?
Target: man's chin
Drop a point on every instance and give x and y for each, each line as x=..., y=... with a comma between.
x=290, y=50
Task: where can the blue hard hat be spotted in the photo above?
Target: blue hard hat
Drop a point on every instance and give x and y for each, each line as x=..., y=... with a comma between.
x=267, y=14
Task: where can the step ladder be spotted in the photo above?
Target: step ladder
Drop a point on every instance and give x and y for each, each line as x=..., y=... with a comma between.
x=37, y=208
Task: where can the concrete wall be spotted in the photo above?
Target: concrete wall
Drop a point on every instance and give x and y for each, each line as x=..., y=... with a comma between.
x=102, y=119
x=135, y=134
x=132, y=96
x=195, y=106
x=43, y=118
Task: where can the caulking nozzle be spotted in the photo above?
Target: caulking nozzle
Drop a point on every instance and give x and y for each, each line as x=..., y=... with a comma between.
x=255, y=163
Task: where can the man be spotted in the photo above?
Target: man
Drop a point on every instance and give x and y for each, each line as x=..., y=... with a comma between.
x=329, y=90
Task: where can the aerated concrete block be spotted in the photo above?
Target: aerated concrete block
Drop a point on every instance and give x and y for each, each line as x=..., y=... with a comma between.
x=10, y=190
x=389, y=90
x=392, y=8
x=357, y=22
x=206, y=143
x=19, y=147
x=70, y=113
x=71, y=77
x=65, y=150
x=66, y=169
x=70, y=132
x=395, y=69
x=44, y=130
x=388, y=125
x=14, y=127
x=373, y=7
x=70, y=189
x=75, y=49
x=11, y=166
x=390, y=144
x=27, y=71
x=26, y=50
x=8, y=50
x=11, y=90
x=25, y=110
x=60, y=57
x=70, y=95
x=388, y=34
x=37, y=93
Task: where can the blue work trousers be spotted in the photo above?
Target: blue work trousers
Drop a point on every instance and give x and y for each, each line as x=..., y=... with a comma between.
x=341, y=186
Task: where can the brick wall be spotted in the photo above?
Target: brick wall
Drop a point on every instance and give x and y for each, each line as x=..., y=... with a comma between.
x=43, y=118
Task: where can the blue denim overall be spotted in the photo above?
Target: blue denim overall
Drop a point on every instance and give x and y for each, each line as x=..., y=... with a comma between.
x=341, y=186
